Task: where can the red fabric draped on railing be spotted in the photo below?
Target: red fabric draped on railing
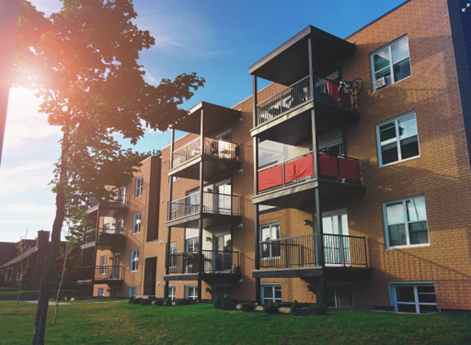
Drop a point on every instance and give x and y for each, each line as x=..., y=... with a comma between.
x=328, y=165
x=349, y=169
x=269, y=178
x=333, y=90
x=300, y=168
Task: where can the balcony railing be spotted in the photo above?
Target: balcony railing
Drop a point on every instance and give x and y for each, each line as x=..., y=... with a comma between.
x=91, y=235
x=224, y=204
x=119, y=200
x=328, y=91
x=301, y=251
x=301, y=168
x=211, y=147
x=214, y=261
x=102, y=273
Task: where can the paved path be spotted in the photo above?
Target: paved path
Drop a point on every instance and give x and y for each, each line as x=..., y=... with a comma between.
x=65, y=303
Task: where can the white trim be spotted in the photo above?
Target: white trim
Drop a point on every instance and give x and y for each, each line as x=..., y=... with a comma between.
x=187, y=288
x=139, y=188
x=393, y=294
x=272, y=285
x=134, y=222
x=134, y=260
x=172, y=297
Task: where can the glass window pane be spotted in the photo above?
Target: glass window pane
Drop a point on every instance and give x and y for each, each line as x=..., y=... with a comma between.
x=386, y=73
x=395, y=213
x=268, y=292
x=416, y=210
x=278, y=292
x=405, y=294
x=389, y=153
x=400, y=50
x=276, y=232
x=387, y=131
x=407, y=308
x=397, y=235
x=401, y=70
x=428, y=308
x=419, y=237
x=426, y=294
x=407, y=126
x=409, y=147
x=381, y=60
x=331, y=296
x=265, y=234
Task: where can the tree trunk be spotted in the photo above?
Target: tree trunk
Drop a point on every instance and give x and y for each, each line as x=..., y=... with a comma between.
x=60, y=283
x=53, y=250
x=19, y=287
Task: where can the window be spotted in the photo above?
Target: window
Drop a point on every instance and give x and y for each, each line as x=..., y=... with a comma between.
x=139, y=187
x=134, y=260
x=413, y=297
x=101, y=292
x=340, y=295
x=173, y=252
x=406, y=222
x=192, y=244
x=171, y=292
x=191, y=292
x=397, y=139
x=132, y=291
x=271, y=292
x=270, y=232
x=393, y=57
x=103, y=265
x=136, y=223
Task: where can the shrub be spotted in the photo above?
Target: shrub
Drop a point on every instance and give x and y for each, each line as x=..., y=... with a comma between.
x=185, y=301
x=159, y=302
x=229, y=303
x=247, y=307
x=146, y=301
x=137, y=301
x=168, y=302
x=69, y=297
x=131, y=300
x=271, y=308
x=218, y=302
x=295, y=308
x=318, y=309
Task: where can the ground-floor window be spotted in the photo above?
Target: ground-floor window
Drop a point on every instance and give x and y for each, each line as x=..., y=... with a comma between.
x=191, y=292
x=132, y=291
x=101, y=292
x=271, y=292
x=413, y=297
x=339, y=295
x=114, y=292
x=221, y=290
x=171, y=292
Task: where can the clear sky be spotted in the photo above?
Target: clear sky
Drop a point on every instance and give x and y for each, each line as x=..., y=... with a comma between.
x=217, y=39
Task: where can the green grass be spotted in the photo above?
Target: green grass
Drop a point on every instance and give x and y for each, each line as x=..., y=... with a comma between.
x=10, y=294
x=122, y=323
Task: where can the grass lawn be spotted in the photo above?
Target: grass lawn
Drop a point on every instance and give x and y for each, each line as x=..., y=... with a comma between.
x=122, y=323
x=8, y=293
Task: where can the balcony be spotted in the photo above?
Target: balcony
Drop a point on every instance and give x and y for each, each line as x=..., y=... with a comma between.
x=218, y=266
x=109, y=208
x=104, y=237
x=217, y=209
x=220, y=157
x=101, y=275
x=298, y=257
x=290, y=183
x=286, y=117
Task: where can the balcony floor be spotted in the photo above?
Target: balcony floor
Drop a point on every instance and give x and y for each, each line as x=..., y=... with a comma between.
x=213, y=167
x=331, y=272
x=209, y=220
x=212, y=278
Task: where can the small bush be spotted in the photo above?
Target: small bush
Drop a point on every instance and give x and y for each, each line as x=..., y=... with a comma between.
x=168, y=302
x=69, y=297
x=131, y=300
x=229, y=303
x=146, y=301
x=271, y=308
x=159, y=302
x=247, y=307
x=137, y=301
x=318, y=309
x=185, y=301
x=295, y=308
x=218, y=302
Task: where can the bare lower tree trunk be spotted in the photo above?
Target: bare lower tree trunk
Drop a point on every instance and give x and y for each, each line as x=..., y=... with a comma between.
x=19, y=287
x=60, y=283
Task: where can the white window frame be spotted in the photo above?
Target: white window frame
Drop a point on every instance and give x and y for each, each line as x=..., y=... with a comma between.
x=393, y=294
x=274, y=286
x=171, y=292
x=193, y=240
x=391, y=64
x=101, y=292
x=103, y=265
x=397, y=139
x=132, y=291
x=406, y=222
x=136, y=223
x=271, y=225
x=134, y=261
x=139, y=187
x=194, y=288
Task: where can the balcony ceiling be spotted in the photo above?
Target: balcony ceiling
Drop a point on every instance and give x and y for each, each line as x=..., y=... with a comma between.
x=290, y=62
x=215, y=117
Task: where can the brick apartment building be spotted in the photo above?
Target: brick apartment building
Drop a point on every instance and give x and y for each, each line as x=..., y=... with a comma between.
x=353, y=194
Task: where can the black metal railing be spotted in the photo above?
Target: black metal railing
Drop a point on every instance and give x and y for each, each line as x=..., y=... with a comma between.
x=218, y=148
x=301, y=251
x=225, y=204
x=325, y=90
x=91, y=235
x=214, y=261
x=102, y=273
x=119, y=200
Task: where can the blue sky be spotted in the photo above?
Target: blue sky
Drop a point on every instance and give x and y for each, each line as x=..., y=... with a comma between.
x=217, y=39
